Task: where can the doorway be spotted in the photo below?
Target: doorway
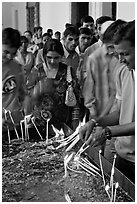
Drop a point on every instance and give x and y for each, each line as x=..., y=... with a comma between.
x=78, y=10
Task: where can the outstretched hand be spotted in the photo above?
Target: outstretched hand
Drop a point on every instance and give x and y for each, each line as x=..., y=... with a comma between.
x=97, y=137
x=86, y=130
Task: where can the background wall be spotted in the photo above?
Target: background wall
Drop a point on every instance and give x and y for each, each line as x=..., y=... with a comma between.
x=54, y=15
x=126, y=10
x=14, y=15
x=6, y=19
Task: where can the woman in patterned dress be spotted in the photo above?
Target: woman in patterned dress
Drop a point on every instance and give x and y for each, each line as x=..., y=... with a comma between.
x=49, y=92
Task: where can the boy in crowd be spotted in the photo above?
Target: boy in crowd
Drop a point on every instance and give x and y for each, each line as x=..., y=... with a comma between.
x=70, y=42
x=13, y=86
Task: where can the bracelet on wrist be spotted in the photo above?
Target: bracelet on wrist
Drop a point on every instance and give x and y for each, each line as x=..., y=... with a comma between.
x=108, y=133
x=95, y=122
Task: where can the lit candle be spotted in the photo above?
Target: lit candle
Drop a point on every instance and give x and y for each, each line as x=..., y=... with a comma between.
x=112, y=170
x=13, y=124
x=5, y=112
x=111, y=178
x=46, y=115
x=47, y=131
x=116, y=186
x=21, y=122
x=106, y=189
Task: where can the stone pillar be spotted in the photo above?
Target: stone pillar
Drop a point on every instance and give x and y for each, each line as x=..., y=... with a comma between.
x=27, y=17
x=95, y=9
x=36, y=14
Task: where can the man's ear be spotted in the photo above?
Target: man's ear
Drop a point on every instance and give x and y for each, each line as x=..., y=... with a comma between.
x=63, y=38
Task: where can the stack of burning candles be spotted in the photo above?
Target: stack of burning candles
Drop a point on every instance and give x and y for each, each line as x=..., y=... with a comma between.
x=86, y=165
x=72, y=140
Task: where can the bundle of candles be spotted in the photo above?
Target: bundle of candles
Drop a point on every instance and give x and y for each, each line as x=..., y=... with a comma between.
x=81, y=163
x=7, y=113
x=77, y=163
x=28, y=119
x=112, y=187
x=73, y=139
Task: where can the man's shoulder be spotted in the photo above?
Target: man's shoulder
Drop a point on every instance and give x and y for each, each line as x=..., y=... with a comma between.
x=97, y=53
x=11, y=66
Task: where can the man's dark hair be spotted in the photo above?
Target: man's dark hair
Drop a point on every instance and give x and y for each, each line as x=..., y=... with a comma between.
x=11, y=37
x=46, y=34
x=68, y=25
x=24, y=38
x=87, y=19
x=72, y=30
x=58, y=33
x=111, y=30
x=35, y=29
x=28, y=31
x=49, y=30
x=126, y=33
x=103, y=19
x=39, y=28
x=85, y=31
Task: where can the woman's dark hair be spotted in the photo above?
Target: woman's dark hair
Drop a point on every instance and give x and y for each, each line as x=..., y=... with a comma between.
x=28, y=31
x=126, y=33
x=11, y=37
x=53, y=45
x=111, y=30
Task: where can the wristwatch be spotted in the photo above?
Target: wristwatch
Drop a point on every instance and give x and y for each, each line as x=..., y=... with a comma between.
x=108, y=133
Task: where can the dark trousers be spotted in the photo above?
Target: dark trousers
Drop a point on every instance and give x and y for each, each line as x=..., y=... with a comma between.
x=126, y=167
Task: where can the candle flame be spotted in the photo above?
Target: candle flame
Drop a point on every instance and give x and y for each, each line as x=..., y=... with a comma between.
x=58, y=132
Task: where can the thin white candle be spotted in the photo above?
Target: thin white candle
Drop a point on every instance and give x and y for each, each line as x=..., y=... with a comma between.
x=26, y=128
x=73, y=143
x=112, y=170
x=86, y=160
x=111, y=178
x=36, y=128
x=116, y=186
x=47, y=131
x=88, y=163
x=21, y=122
x=13, y=124
x=5, y=112
x=67, y=197
x=90, y=168
x=106, y=189
x=86, y=169
x=65, y=165
x=101, y=167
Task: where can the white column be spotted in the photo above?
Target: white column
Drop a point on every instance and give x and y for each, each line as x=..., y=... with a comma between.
x=95, y=9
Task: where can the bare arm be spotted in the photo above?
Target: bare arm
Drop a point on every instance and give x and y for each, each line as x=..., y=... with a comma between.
x=109, y=120
x=120, y=130
x=89, y=89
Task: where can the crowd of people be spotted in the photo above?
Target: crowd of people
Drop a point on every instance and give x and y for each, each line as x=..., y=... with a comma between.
x=86, y=71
